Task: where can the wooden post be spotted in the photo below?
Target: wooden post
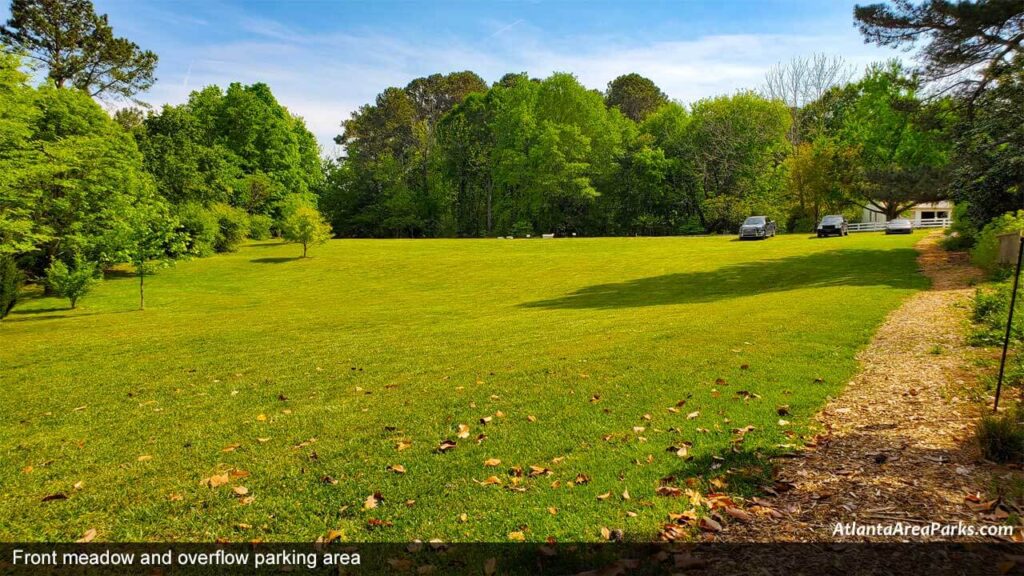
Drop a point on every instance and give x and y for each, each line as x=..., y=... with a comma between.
x=1009, y=244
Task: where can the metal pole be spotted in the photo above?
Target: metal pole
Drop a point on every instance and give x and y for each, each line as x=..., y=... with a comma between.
x=1009, y=324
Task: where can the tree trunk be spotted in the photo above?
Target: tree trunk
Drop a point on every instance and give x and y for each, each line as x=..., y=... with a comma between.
x=303, y=249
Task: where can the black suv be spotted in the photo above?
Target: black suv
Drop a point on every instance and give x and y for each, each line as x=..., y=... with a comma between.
x=757, y=227
x=832, y=224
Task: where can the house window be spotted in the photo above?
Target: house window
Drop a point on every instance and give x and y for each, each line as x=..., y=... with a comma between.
x=942, y=214
x=928, y=215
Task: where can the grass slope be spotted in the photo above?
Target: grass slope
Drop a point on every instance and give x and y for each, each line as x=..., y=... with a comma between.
x=370, y=343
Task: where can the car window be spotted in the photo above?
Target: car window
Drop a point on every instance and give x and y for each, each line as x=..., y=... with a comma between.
x=754, y=221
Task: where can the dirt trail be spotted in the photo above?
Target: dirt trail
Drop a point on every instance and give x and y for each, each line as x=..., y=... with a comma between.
x=898, y=443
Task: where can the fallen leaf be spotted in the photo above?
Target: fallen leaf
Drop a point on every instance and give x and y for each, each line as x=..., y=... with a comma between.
x=56, y=496
x=670, y=491
x=499, y=414
x=78, y=485
x=144, y=458
x=372, y=501
x=782, y=410
x=329, y=480
x=604, y=496
x=247, y=500
x=539, y=471
x=709, y=525
x=552, y=510
x=87, y=536
x=490, y=480
x=446, y=445
x=463, y=517
x=378, y=523
x=263, y=440
x=783, y=422
x=516, y=536
x=397, y=468
x=625, y=494
x=692, y=415
x=492, y=462
x=402, y=445
x=261, y=418
x=231, y=447
x=463, y=431
x=217, y=480
x=240, y=490
x=741, y=515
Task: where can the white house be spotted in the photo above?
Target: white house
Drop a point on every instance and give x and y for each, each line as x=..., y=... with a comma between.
x=928, y=212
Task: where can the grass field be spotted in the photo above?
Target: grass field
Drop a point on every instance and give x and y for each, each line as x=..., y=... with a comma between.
x=308, y=374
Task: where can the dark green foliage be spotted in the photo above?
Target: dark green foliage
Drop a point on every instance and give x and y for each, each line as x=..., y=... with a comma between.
x=961, y=235
x=986, y=248
x=232, y=227
x=957, y=36
x=635, y=96
x=989, y=160
x=10, y=284
x=78, y=47
x=548, y=156
x=1001, y=436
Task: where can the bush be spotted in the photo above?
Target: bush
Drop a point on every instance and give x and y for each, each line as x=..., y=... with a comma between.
x=260, y=226
x=990, y=307
x=201, y=226
x=521, y=229
x=961, y=235
x=10, y=284
x=232, y=227
x=72, y=283
x=1001, y=436
x=986, y=249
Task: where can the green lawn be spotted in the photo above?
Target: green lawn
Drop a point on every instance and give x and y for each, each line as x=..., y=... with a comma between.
x=320, y=367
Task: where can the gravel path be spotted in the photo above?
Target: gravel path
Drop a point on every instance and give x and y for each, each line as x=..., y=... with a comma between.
x=898, y=444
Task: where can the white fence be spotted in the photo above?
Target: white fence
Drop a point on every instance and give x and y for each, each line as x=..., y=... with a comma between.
x=878, y=226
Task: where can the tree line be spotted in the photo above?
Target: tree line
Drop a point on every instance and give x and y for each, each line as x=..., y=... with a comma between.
x=449, y=155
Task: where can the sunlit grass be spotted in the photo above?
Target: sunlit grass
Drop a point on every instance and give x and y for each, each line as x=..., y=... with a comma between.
x=370, y=343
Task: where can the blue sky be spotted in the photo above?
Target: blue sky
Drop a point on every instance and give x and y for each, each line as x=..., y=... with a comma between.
x=324, y=58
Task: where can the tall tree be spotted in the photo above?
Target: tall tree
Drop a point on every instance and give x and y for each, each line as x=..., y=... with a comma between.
x=636, y=96
x=899, y=146
x=78, y=47
x=966, y=43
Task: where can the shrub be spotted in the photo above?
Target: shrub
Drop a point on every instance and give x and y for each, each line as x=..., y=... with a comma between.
x=521, y=229
x=990, y=308
x=260, y=226
x=10, y=284
x=986, y=248
x=201, y=226
x=961, y=235
x=1001, y=436
x=71, y=282
x=232, y=227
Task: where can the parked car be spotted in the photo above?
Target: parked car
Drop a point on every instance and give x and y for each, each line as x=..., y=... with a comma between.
x=899, y=226
x=832, y=224
x=757, y=227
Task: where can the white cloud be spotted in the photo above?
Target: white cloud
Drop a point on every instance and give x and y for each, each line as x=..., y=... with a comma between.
x=324, y=77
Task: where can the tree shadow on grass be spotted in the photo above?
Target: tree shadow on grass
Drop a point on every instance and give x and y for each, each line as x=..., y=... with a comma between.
x=819, y=270
x=278, y=260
